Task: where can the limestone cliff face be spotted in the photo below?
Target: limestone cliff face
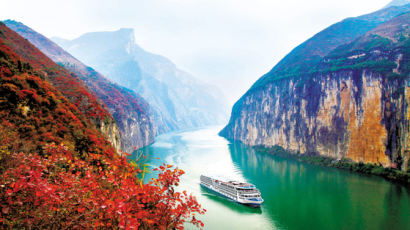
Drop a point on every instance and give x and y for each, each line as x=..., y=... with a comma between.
x=352, y=103
x=360, y=115
x=111, y=132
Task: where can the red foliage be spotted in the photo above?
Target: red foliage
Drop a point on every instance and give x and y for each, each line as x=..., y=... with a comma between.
x=122, y=102
x=66, y=82
x=26, y=92
x=76, y=180
x=65, y=192
x=40, y=112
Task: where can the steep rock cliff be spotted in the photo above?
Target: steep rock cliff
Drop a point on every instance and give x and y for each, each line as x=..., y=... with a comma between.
x=136, y=127
x=351, y=114
x=178, y=99
x=353, y=103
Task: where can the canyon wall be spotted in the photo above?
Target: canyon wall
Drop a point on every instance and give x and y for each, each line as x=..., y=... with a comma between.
x=351, y=101
x=359, y=115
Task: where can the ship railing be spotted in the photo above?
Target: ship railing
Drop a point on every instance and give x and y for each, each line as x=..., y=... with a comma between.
x=248, y=191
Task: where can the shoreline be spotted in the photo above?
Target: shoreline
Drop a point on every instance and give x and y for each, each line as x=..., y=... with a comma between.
x=390, y=174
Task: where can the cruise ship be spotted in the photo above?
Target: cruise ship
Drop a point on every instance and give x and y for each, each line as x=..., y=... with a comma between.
x=243, y=193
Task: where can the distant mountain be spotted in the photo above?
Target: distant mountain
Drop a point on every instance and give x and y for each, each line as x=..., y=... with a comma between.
x=129, y=110
x=397, y=3
x=179, y=100
x=342, y=94
x=42, y=103
x=311, y=52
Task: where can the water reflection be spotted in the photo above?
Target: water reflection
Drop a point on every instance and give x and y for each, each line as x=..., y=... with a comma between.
x=297, y=195
x=203, y=152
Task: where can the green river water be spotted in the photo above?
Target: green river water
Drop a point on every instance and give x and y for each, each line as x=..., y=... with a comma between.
x=297, y=195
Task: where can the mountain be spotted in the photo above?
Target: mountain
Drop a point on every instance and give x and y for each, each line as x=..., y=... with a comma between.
x=397, y=3
x=130, y=111
x=42, y=103
x=179, y=100
x=344, y=93
x=311, y=52
x=57, y=169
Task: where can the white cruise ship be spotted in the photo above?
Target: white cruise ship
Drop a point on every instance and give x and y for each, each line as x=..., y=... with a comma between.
x=243, y=193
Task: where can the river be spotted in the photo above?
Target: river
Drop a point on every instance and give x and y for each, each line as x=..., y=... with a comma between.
x=297, y=195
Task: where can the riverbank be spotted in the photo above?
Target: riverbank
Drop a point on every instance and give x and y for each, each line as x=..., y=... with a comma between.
x=296, y=194
x=345, y=164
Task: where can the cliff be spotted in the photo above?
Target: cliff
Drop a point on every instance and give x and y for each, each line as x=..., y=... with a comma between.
x=34, y=112
x=64, y=81
x=132, y=114
x=178, y=99
x=351, y=102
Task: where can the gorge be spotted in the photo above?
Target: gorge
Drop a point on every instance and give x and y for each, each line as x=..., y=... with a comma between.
x=178, y=99
x=343, y=97
x=97, y=132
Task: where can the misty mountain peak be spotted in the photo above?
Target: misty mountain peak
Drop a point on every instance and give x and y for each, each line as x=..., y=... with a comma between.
x=109, y=39
x=126, y=34
x=126, y=30
x=17, y=26
x=397, y=3
x=10, y=21
x=178, y=99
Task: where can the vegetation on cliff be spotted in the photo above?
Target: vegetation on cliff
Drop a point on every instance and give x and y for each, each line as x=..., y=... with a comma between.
x=130, y=111
x=57, y=170
x=376, y=51
x=305, y=58
x=63, y=80
x=346, y=101
x=39, y=113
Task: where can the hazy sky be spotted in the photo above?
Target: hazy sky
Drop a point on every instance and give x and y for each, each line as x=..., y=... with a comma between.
x=229, y=43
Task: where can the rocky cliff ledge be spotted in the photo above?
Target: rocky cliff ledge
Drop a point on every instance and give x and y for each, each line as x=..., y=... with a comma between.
x=359, y=115
x=111, y=132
